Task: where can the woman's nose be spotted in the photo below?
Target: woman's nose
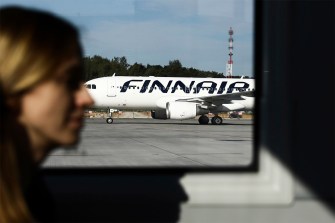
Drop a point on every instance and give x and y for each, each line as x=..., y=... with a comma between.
x=83, y=98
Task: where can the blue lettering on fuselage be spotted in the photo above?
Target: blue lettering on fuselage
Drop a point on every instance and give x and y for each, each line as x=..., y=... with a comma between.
x=127, y=85
x=182, y=86
x=211, y=88
x=186, y=89
x=233, y=86
x=145, y=86
x=160, y=86
x=222, y=87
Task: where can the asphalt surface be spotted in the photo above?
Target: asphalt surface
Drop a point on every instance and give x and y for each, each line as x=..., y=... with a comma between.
x=158, y=143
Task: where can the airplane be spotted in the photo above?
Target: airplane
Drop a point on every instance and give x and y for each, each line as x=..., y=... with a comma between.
x=173, y=97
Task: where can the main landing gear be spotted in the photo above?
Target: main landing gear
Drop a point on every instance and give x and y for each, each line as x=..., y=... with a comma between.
x=204, y=120
x=216, y=120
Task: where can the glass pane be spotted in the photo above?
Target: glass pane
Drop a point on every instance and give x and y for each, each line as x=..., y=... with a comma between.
x=156, y=50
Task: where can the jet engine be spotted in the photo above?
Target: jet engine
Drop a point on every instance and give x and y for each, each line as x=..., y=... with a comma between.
x=179, y=110
x=159, y=114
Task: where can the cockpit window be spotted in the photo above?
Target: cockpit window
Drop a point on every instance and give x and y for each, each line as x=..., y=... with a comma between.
x=91, y=86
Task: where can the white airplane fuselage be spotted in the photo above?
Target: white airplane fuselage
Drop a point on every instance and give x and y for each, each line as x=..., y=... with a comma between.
x=128, y=92
x=173, y=94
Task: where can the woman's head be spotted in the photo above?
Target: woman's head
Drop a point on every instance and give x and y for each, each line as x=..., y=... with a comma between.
x=41, y=75
x=33, y=44
x=42, y=98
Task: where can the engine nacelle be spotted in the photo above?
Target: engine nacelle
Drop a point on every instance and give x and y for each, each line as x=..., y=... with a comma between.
x=179, y=110
x=159, y=114
x=183, y=110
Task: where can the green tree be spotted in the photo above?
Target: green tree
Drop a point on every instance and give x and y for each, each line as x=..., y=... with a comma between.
x=155, y=70
x=136, y=70
x=98, y=66
x=119, y=66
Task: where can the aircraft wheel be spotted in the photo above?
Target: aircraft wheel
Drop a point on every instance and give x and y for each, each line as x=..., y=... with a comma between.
x=109, y=120
x=203, y=120
x=216, y=120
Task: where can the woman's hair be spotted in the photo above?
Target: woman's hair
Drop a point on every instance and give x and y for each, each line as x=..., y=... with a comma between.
x=33, y=44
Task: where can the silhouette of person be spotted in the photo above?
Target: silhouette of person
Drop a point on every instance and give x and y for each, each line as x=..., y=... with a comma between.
x=42, y=99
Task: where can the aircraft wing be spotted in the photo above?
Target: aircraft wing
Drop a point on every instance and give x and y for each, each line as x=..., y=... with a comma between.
x=220, y=99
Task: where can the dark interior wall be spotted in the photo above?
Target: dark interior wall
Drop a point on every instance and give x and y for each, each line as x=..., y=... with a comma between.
x=297, y=96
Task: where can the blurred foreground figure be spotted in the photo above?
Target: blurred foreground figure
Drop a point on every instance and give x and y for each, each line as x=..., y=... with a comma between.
x=42, y=100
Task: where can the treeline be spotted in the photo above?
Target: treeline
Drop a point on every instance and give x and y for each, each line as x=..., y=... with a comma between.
x=98, y=66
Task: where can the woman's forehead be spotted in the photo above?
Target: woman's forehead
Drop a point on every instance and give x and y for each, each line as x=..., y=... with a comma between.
x=69, y=64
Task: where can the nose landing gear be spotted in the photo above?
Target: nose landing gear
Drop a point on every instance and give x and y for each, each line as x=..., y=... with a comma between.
x=109, y=120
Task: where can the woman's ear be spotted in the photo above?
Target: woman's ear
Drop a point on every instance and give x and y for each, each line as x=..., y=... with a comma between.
x=13, y=105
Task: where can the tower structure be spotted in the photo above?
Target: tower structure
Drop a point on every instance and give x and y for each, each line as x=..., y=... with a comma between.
x=229, y=65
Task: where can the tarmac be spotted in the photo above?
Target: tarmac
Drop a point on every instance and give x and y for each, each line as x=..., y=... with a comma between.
x=158, y=143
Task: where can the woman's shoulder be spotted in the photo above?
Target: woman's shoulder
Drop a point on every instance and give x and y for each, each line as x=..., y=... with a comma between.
x=39, y=199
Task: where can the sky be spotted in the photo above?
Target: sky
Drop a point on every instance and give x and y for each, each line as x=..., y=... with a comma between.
x=157, y=31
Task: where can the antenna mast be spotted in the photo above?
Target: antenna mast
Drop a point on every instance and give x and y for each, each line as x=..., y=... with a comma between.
x=229, y=66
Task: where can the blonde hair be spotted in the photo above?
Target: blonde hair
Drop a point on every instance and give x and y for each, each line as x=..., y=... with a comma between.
x=32, y=45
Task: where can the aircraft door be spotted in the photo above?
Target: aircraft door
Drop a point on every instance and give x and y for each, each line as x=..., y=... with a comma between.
x=111, y=87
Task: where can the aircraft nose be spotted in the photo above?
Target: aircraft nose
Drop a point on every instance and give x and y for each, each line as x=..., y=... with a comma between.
x=93, y=91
